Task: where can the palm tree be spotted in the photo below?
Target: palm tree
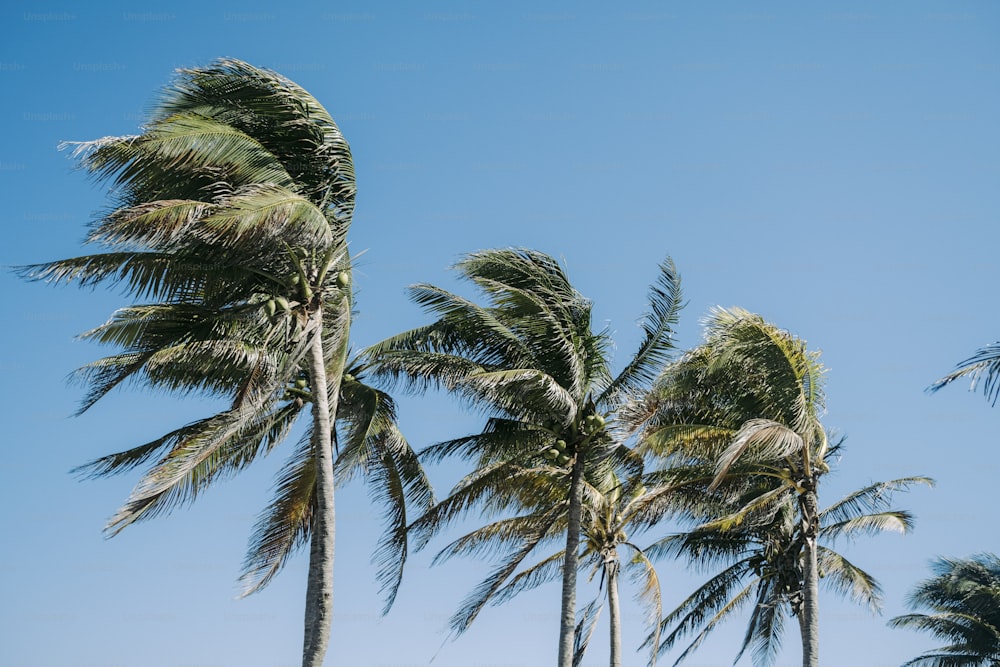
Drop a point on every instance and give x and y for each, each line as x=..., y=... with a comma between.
x=964, y=598
x=231, y=214
x=983, y=366
x=763, y=564
x=531, y=361
x=611, y=509
x=749, y=399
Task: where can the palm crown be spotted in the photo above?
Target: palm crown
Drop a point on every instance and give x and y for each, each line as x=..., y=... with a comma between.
x=740, y=416
x=230, y=216
x=531, y=361
x=963, y=597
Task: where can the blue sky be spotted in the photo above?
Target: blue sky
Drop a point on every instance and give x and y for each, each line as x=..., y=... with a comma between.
x=830, y=166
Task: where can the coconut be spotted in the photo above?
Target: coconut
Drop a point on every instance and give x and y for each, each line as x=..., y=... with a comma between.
x=552, y=454
x=343, y=279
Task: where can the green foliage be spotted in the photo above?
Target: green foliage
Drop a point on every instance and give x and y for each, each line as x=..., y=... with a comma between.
x=738, y=418
x=963, y=599
x=982, y=367
x=230, y=213
x=529, y=360
x=762, y=561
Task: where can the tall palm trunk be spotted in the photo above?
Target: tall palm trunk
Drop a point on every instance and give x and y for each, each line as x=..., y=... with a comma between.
x=319, y=589
x=567, y=628
x=809, y=612
x=614, y=608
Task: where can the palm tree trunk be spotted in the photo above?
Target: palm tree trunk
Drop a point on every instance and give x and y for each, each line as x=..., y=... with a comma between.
x=319, y=589
x=809, y=613
x=614, y=608
x=567, y=628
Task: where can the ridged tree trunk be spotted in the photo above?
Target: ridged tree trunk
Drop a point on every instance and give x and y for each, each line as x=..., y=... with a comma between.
x=567, y=627
x=809, y=613
x=319, y=588
x=611, y=567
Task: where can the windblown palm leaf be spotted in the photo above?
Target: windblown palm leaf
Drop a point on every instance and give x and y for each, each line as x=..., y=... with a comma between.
x=982, y=367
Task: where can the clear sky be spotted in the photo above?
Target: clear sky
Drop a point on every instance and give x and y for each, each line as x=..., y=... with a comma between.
x=832, y=166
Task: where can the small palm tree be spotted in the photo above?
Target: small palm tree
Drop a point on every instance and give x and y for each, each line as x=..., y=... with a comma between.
x=231, y=214
x=532, y=362
x=749, y=399
x=763, y=564
x=983, y=366
x=964, y=600
x=612, y=509
x=748, y=402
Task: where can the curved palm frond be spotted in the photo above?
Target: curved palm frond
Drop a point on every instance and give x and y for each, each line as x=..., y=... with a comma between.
x=870, y=499
x=222, y=445
x=284, y=525
x=585, y=629
x=665, y=301
x=981, y=368
x=711, y=603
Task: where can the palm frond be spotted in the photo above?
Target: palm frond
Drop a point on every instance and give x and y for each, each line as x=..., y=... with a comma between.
x=898, y=521
x=759, y=440
x=665, y=300
x=538, y=301
x=288, y=121
x=875, y=497
x=120, y=462
x=845, y=578
x=705, y=608
x=155, y=224
x=222, y=445
x=962, y=597
x=643, y=574
x=585, y=629
x=284, y=526
x=510, y=391
x=486, y=590
x=765, y=627
x=500, y=439
x=546, y=570
x=266, y=213
x=485, y=488
x=981, y=368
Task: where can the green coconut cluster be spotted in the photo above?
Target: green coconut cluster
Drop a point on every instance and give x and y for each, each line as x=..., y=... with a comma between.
x=298, y=390
x=562, y=452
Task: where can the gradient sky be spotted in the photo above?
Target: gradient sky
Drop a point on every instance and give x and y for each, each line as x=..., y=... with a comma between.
x=832, y=166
